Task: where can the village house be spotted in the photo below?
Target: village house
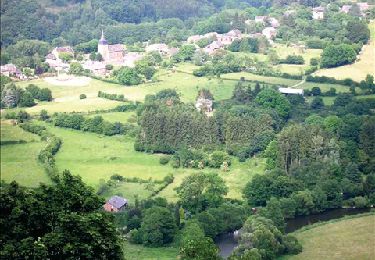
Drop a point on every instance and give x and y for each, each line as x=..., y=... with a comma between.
x=214, y=46
x=318, y=13
x=291, y=91
x=269, y=32
x=363, y=8
x=111, y=54
x=10, y=70
x=204, y=104
x=96, y=67
x=162, y=48
x=115, y=204
x=194, y=38
x=131, y=58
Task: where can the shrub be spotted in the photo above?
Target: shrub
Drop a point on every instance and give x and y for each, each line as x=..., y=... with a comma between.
x=314, y=62
x=293, y=59
x=360, y=202
x=164, y=159
x=337, y=55
x=217, y=158
x=82, y=96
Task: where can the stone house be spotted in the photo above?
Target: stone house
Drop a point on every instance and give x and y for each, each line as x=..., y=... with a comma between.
x=318, y=13
x=115, y=204
x=111, y=54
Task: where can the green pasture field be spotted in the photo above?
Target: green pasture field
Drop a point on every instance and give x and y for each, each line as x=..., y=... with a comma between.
x=346, y=239
x=358, y=70
x=139, y=252
x=95, y=157
x=19, y=161
x=66, y=98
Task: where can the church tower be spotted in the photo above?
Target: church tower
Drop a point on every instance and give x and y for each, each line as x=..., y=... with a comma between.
x=103, y=48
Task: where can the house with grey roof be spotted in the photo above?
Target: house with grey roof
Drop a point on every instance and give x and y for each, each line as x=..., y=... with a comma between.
x=115, y=204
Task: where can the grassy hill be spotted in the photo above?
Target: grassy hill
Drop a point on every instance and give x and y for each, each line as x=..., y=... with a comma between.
x=351, y=238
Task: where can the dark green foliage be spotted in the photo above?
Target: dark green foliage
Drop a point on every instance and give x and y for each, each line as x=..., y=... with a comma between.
x=26, y=100
x=164, y=159
x=269, y=98
x=293, y=59
x=317, y=103
x=127, y=76
x=185, y=53
x=82, y=96
x=117, y=97
x=201, y=190
x=47, y=220
x=358, y=31
x=158, y=227
x=337, y=55
x=260, y=233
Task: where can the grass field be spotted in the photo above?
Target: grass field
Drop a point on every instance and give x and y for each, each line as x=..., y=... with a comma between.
x=138, y=252
x=347, y=239
x=67, y=98
x=358, y=70
x=19, y=160
x=95, y=157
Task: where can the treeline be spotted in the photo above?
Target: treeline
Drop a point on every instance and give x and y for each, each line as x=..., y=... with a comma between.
x=54, y=216
x=239, y=129
x=95, y=124
x=13, y=96
x=117, y=97
x=46, y=155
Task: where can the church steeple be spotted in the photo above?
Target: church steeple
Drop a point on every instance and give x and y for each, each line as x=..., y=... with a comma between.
x=102, y=40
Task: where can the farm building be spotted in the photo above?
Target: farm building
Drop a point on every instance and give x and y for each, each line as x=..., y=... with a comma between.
x=318, y=13
x=291, y=91
x=115, y=204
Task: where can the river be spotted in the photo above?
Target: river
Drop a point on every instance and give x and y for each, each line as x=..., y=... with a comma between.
x=227, y=242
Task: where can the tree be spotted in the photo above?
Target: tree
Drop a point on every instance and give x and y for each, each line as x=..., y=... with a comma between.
x=357, y=31
x=45, y=94
x=43, y=115
x=317, y=103
x=10, y=95
x=304, y=202
x=26, y=99
x=270, y=98
x=185, y=53
x=274, y=212
x=315, y=91
x=337, y=55
x=128, y=76
x=76, y=68
x=158, y=227
x=65, y=56
x=199, y=249
x=257, y=191
x=201, y=190
x=48, y=220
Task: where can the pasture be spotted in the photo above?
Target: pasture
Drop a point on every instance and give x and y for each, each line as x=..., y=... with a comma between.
x=19, y=156
x=346, y=239
x=358, y=70
x=95, y=158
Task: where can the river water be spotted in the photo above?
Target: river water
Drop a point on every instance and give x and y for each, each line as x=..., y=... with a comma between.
x=227, y=242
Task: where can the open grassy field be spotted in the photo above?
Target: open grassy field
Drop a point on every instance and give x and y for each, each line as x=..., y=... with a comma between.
x=67, y=97
x=19, y=161
x=95, y=157
x=347, y=239
x=358, y=70
x=138, y=252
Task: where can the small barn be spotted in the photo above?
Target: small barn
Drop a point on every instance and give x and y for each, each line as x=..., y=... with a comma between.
x=291, y=91
x=115, y=204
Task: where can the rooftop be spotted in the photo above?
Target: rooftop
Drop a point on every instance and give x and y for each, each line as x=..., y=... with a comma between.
x=117, y=201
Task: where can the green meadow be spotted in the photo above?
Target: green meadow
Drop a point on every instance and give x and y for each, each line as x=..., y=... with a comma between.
x=19, y=156
x=96, y=158
x=346, y=239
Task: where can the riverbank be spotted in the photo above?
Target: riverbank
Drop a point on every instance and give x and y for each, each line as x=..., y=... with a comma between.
x=351, y=237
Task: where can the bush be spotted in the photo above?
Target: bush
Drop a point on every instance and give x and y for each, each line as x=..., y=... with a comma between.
x=314, y=62
x=164, y=159
x=293, y=59
x=217, y=158
x=82, y=96
x=135, y=236
x=338, y=55
x=292, y=246
x=360, y=202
